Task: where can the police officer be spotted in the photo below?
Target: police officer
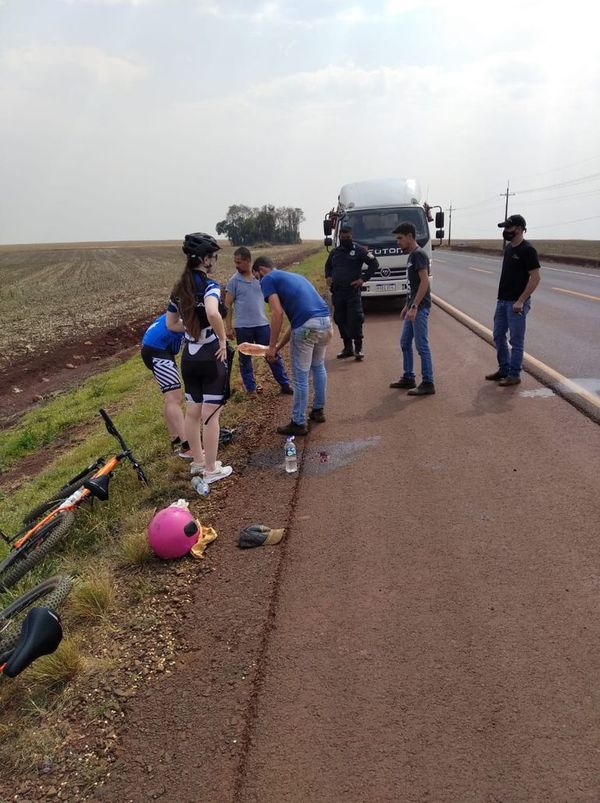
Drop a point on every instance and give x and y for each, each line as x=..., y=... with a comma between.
x=344, y=276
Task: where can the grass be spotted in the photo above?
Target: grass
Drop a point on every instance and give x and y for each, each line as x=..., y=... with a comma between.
x=135, y=550
x=58, y=668
x=92, y=597
x=107, y=547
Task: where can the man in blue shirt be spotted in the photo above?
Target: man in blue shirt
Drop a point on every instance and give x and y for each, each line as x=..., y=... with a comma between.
x=251, y=323
x=310, y=331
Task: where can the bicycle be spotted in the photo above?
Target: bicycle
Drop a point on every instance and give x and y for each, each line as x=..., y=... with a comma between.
x=25, y=638
x=40, y=536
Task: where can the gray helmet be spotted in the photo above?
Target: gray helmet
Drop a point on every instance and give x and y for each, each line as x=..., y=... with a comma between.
x=199, y=245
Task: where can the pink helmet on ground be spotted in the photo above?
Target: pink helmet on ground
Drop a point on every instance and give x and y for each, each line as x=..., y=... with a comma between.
x=172, y=532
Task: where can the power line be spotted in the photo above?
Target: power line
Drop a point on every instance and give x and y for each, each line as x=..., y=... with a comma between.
x=472, y=206
x=570, y=183
x=563, y=167
x=565, y=222
x=562, y=197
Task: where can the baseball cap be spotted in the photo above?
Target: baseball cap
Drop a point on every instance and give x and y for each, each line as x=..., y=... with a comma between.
x=259, y=535
x=513, y=220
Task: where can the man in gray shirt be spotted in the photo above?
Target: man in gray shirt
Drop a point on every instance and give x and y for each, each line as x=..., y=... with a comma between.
x=251, y=323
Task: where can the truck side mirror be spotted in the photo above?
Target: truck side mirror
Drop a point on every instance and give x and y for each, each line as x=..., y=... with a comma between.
x=327, y=227
x=439, y=220
x=440, y=233
x=327, y=242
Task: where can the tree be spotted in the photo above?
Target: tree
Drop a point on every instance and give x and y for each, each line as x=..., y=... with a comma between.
x=246, y=225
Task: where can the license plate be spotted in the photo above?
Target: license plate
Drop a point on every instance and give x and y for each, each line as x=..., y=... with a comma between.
x=388, y=287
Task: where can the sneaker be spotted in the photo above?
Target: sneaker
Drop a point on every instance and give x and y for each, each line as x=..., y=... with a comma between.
x=358, y=355
x=317, y=415
x=344, y=354
x=293, y=429
x=187, y=455
x=404, y=382
x=219, y=473
x=286, y=390
x=197, y=468
x=424, y=389
x=509, y=380
x=496, y=376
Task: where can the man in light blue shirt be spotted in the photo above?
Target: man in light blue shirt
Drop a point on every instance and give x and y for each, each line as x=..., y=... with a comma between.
x=251, y=323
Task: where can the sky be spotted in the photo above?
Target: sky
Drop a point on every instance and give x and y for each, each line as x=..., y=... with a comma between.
x=147, y=119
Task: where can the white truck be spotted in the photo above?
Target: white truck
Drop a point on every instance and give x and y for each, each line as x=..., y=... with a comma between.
x=374, y=209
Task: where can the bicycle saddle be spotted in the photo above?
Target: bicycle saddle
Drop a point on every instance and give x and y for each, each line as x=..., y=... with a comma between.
x=41, y=634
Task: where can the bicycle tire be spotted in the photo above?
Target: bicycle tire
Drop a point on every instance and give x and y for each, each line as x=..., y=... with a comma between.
x=53, y=592
x=59, y=497
x=57, y=529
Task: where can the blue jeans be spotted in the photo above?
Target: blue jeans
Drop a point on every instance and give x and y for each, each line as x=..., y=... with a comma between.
x=308, y=345
x=258, y=334
x=417, y=330
x=510, y=361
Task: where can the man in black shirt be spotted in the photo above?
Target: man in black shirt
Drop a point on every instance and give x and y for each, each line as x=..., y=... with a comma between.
x=519, y=278
x=415, y=315
x=343, y=272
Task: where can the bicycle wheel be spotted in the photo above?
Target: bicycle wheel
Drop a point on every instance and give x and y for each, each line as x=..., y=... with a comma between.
x=50, y=593
x=59, y=497
x=13, y=568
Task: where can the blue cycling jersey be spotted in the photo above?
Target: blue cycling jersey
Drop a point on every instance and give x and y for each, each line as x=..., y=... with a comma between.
x=159, y=337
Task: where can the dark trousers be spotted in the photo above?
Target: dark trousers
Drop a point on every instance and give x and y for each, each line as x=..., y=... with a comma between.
x=258, y=334
x=348, y=314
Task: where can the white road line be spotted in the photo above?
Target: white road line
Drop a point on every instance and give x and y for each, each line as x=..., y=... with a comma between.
x=575, y=293
x=594, y=275
x=565, y=385
x=481, y=270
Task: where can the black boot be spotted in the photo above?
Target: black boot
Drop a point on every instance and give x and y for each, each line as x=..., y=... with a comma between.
x=358, y=352
x=347, y=351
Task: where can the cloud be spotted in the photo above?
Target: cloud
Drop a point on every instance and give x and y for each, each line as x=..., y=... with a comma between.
x=109, y=2
x=100, y=66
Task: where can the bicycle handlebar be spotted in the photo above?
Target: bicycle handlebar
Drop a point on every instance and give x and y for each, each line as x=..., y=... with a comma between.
x=112, y=430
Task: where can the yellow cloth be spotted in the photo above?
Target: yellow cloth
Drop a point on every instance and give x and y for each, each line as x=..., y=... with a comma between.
x=208, y=535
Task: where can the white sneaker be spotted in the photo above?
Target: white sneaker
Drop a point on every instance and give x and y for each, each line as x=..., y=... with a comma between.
x=219, y=473
x=200, y=468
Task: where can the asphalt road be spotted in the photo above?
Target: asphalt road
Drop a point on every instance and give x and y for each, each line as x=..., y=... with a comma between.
x=427, y=631
x=435, y=635
x=563, y=327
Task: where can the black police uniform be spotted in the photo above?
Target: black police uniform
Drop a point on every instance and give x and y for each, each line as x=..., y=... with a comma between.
x=344, y=266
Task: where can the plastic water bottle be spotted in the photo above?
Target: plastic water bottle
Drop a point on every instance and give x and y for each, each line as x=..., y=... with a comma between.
x=289, y=450
x=199, y=484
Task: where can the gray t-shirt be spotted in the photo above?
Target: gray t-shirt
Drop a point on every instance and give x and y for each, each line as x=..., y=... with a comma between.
x=417, y=260
x=249, y=304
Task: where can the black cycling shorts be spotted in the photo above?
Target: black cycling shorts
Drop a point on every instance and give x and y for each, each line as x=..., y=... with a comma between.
x=162, y=364
x=206, y=379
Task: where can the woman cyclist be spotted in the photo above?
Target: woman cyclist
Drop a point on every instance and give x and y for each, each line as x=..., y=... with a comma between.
x=159, y=347
x=196, y=301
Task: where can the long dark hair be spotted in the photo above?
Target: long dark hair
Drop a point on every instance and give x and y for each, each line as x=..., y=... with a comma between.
x=185, y=293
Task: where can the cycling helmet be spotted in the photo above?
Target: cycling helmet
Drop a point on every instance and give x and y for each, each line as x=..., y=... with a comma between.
x=199, y=245
x=172, y=532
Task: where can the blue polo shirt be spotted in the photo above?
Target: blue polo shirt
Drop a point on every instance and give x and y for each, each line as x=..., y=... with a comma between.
x=299, y=299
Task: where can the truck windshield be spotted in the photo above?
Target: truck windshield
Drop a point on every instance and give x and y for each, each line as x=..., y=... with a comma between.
x=375, y=226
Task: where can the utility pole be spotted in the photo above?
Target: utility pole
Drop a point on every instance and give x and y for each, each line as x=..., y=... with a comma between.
x=507, y=193
x=450, y=225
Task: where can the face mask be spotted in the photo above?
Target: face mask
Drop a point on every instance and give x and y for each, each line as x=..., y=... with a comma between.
x=509, y=235
x=346, y=243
